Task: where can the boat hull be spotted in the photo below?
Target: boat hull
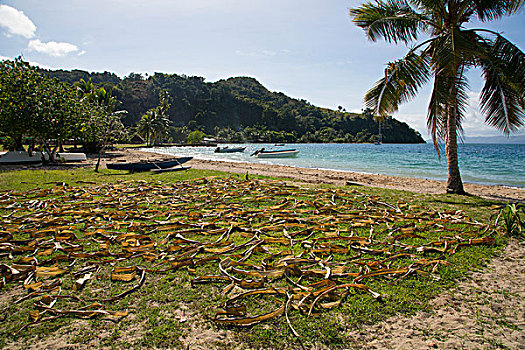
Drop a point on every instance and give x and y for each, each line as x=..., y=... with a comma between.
x=175, y=168
x=230, y=150
x=72, y=157
x=23, y=157
x=278, y=154
x=147, y=166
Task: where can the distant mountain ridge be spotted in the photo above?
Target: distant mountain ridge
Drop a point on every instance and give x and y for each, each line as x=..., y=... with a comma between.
x=517, y=139
x=240, y=109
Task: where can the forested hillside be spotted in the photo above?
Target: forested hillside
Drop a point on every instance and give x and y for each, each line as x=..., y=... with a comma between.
x=239, y=109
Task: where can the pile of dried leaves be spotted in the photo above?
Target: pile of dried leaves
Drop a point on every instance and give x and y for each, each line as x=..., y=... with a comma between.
x=78, y=251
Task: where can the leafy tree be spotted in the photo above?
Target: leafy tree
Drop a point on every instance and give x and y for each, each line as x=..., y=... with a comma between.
x=103, y=126
x=34, y=105
x=104, y=129
x=59, y=116
x=448, y=51
x=195, y=137
x=19, y=92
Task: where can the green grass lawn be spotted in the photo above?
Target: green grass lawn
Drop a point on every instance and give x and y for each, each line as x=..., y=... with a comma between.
x=145, y=260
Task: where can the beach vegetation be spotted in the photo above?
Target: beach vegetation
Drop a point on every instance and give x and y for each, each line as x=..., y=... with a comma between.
x=195, y=137
x=145, y=127
x=103, y=125
x=36, y=107
x=211, y=259
x=511, y=218
x=45, y=112
x=449, y=48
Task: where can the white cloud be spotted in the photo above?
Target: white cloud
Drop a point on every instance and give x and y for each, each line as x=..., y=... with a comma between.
x=52, y=48
x=16, y=22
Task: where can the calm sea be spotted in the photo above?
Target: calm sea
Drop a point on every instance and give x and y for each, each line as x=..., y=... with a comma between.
x=490, y=164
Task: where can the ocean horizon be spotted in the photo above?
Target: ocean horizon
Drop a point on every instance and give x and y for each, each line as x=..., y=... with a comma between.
x=480, y=163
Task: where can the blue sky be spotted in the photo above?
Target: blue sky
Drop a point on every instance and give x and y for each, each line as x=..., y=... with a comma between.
x=308, y=49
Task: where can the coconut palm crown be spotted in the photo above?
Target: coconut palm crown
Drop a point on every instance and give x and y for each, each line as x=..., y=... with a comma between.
x=446, y=52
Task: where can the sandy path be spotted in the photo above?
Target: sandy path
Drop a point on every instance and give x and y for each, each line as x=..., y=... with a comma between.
x=486, y=311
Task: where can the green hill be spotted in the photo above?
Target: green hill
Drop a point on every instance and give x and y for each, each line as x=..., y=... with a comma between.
x=240, y=109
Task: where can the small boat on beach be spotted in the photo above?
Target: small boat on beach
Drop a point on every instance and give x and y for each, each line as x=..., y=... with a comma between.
x=284, y=153
x=72, y=157
x=23, y=157
x=20, y=157
x=174, y=168
x=147, y=166
x=228, y=149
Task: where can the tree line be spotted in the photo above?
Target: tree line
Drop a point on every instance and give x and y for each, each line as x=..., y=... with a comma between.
x=97, y=109
x=234, y=110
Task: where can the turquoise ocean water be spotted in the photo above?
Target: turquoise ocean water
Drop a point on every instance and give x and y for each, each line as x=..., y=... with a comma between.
x=490, y=164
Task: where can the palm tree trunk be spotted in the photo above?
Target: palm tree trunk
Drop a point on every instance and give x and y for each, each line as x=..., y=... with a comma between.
x=454, y=183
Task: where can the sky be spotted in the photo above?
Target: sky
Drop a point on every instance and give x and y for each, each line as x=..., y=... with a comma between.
x=307, y=49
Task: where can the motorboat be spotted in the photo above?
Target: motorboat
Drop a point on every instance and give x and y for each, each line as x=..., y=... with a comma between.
x=284, y=153
x=228, y=149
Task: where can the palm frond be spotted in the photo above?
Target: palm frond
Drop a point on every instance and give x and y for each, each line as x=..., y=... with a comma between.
x=503, y=95
x=437, y=113
x=394, y=21
x=488, y=10
x=401, y=82
x=462, y=99
x=448, y=91
x=434, y=6
x=452, y=49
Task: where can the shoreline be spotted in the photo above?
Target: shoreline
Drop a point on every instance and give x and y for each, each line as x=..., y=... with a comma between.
x=306, y=175
x=320, y=176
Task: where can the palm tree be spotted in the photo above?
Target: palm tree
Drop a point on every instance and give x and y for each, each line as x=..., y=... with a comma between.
x=84, y=88
x=447, y=53
x=104, y=99
x=146, y=124
x=161, y=125
x=161, y=122
x=100, y=97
